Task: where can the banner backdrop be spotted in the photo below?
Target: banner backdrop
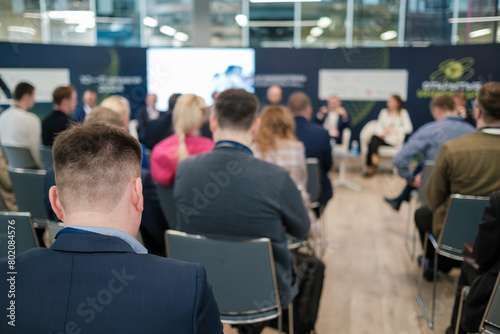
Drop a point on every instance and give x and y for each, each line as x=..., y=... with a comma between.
x=108, y=70
x=431, y=71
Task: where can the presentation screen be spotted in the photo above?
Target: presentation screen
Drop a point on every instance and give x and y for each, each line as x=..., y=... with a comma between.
x=362, y=85
x=201, y=71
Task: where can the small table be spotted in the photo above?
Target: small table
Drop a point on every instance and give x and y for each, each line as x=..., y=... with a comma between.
x=343, y=180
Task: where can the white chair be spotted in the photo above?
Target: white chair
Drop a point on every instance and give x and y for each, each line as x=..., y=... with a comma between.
x=385, y=153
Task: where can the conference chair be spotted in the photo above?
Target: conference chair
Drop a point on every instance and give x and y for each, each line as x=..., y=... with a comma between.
x=46, y=153
x=167, y=204
x=417, y=197
x=461, y=226
x=28, y=187
x=313, y=186
x=16, y=226
x=491, y=319
x=19, y=157
x=242, y=275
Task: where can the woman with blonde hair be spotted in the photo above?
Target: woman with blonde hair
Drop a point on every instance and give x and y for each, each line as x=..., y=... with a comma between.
x=276, y=143
x=188, y=117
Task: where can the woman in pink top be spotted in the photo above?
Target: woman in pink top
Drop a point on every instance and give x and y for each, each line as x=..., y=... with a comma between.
x=188, y=116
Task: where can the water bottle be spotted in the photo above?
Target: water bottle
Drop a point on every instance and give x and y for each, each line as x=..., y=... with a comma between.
x=354, y=147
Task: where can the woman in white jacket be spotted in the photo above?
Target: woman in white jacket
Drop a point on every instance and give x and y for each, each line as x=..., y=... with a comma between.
x=393, y=125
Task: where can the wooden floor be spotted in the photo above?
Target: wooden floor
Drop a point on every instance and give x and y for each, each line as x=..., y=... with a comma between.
x=371, y=281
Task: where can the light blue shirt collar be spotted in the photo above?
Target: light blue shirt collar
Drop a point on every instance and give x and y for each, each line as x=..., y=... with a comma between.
x=133, y=242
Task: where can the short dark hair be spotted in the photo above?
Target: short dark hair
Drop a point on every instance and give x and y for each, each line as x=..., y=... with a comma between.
x=171, y=101
x=93, y=166
x=488, y=99
x=298, y=102
x=236, y=108
x=22, y=89
x=61, y=93
x=90, y=89
x=443, y=101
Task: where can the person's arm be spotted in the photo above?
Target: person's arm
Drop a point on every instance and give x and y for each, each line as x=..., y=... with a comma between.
x=382, y=123
x=294, y=213
x=407, y=125
x=487, y=244
x=418, y=143
x=327, y=162
x=206, y=318
x=438, y=186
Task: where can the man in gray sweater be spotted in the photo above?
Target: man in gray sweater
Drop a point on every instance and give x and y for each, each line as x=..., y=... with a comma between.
x=229, y=193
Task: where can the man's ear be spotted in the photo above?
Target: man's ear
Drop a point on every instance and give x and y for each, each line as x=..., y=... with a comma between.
x=56, y=203
x=477, y=113
x=213, y=123
x=136, y=196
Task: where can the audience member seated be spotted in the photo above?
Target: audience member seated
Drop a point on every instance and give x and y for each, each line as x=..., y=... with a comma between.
x=96, y=277
x=89, y=100
x=276, y=143
x=64, y=100
x=160, y=128
x=316, y=140
x=274, y=95
x=18, y=127
x=427, y=141
x=467, y=166
x=6, y=192
x=188, y=116
x=146, y=114
x=486, y=256
x=153, y=223
x=334, y=118
x=120, y=105
x=463, y=107
x=393, y=124
x=229, y=193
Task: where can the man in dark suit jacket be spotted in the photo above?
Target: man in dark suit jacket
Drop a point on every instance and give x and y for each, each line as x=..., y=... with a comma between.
x=96, y=277
x=89, y=100
x=64, y=99
x=229, y=193
x=315, y=139
x=158, y=129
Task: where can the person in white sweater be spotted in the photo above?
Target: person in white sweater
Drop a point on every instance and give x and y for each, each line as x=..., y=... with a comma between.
x=394, y=124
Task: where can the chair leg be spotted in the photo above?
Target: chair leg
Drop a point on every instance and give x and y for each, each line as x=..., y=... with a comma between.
x=280, y=324
x=290, y=319
x=430, y=321
x=463, y=297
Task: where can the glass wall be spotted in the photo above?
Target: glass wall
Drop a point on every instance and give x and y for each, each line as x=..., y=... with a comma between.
x=241, y=23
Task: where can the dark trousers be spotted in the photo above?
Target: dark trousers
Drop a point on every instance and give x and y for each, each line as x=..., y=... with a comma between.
x=467, y=276
x=423, y=220
x=405, y=194
x=373, y=146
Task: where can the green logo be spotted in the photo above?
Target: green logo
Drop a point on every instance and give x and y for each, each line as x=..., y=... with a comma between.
x=454, y=70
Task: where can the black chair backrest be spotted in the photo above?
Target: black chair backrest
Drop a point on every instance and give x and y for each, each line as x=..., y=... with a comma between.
x=19, y=157
x=28, y=187
x=46, y=152
x=426, y=174
x=491, y=320
x=167, y=204
x=313, y=179
x=16, y=227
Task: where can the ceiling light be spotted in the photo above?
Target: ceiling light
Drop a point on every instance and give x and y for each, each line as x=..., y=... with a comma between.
x=71, y=14
x=23, y=30
x=181, y=36
x=150, y=22
x=324, y=22
x=242, y=20
x=255, y=1
x=316, y=32
x=167, y=30
x=480, y=32
x=388, y=35
x=474, y=19
x=81, y=29
x=310, y=39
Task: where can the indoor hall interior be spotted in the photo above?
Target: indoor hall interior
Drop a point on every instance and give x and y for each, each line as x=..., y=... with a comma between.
x=370, y=281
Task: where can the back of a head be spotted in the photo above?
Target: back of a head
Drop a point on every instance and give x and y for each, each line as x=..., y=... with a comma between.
x=275, y=123
x=187, y=118
x=105, y=115
x=118, y=104
x=443, y=102
x=236, y=109
x=61, y=93
x=488, y=99
x=22, y=89
x=93, y=164
x=298, y=102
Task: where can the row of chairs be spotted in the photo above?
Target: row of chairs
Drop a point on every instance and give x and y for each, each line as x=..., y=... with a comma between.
x=20, y=157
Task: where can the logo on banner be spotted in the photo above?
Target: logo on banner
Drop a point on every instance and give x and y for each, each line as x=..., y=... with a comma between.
x=451, y=76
